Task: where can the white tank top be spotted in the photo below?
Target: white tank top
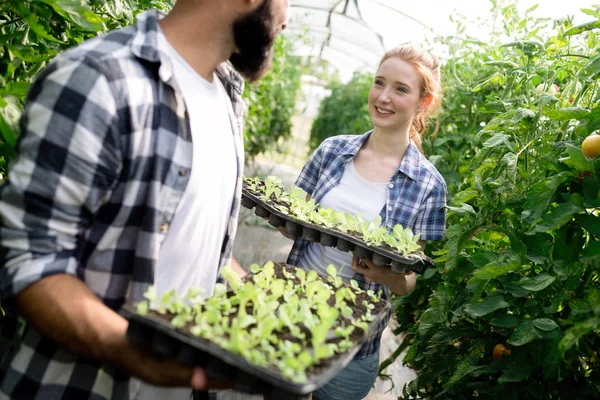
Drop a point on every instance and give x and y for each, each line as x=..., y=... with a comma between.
x=355, y=195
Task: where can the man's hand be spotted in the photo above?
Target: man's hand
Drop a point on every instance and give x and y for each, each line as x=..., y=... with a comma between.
x=399, y=283
x=63, y=309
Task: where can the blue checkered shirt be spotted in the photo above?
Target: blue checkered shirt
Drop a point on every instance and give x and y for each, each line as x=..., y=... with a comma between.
x=102, y=162
x=416, y=198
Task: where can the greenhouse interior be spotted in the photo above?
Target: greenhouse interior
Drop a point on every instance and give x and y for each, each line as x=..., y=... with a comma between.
x=299, y=199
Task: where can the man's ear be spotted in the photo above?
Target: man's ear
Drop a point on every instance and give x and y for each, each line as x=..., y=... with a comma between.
x=253, y=4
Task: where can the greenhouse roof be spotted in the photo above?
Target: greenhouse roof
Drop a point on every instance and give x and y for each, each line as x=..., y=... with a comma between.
x=353, y=34
x=347, y=32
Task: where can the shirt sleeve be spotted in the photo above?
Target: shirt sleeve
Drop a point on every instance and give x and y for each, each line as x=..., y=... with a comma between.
x=431, y=218
x=309, y=176
x=67, y=161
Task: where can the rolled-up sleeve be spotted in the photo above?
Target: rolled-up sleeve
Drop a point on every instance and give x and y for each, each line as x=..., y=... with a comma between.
x=67, y=161
x=431, y=218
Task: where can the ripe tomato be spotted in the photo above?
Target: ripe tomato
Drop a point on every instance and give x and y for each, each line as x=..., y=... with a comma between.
x=591, y=146
x=500, y=350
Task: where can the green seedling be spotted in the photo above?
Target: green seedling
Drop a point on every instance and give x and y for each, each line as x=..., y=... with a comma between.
x=268, y=319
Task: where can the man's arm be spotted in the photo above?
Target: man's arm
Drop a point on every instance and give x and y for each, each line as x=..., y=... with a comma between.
x=63, y=309
x=68, y=157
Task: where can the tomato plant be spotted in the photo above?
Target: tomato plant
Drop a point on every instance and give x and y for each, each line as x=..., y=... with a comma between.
x=521, y=258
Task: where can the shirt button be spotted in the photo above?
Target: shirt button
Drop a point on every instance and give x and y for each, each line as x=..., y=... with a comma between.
x=164, y=227
x=391, y=185
x=183, y=172
x=390, y=208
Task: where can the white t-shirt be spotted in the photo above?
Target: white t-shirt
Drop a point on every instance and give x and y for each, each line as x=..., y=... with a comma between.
x=190, y=254
x=355, y=195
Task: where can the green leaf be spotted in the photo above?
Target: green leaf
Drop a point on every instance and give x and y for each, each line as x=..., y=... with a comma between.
x=505, y=321
x=576, y=159
x=497, y=268
x=592, y=67
x=476, y=286
x=465, y=196
x=516, y=290
x=566, y=114
x=578, y=330
x=37, y=26
x=7, y=133
x=510, y=160
x=481, y=85
x=515, y=373
x=17, y=89
x=429, y=272
x=539, y=247
x=538, y=282
x=464, y=209
x=556, y=218
x=436, y=314
x=499, y=139
x=522, y=114
x=487, y=306
x=524, y=334
x=539, y=196
x=579, y=307
x=545, y=324
x=591, y=254
x=464, y=368
x=593, y=299
x=457, y=236
x=582, y=28
x=590, y=223
x=78, y=13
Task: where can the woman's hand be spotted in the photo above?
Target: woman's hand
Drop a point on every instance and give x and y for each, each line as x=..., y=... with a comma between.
x=399, y=283
x=281, y=230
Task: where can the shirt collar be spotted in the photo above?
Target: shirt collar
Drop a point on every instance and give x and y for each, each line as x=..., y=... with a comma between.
x=409, y=166
x=147, y=46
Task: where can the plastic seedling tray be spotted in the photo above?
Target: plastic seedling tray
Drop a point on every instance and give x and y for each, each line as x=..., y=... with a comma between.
x=417, y=262
x=157, y=334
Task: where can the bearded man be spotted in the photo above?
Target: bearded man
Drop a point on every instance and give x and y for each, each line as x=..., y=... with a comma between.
x=127, y=174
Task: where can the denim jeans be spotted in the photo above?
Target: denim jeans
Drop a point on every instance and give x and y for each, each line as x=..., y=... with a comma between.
x=354, y=382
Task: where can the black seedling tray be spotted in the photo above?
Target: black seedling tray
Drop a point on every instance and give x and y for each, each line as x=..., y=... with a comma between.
x=164, y=339
x=417, y=262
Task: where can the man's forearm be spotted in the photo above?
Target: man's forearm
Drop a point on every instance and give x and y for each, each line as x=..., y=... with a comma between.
x=63, y=309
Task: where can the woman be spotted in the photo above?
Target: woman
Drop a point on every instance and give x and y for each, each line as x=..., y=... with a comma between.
x=382, y=172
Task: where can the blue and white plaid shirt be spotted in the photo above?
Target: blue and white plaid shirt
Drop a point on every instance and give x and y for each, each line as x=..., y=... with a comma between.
x=103, y=159
x=416, y=198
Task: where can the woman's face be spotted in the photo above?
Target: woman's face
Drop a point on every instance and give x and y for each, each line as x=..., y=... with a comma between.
x=395, y=95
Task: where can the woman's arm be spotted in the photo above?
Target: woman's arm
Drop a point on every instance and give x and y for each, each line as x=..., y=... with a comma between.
x=399, y=283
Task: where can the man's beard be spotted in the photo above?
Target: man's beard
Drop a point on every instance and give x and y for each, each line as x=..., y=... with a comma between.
x=254, y=37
